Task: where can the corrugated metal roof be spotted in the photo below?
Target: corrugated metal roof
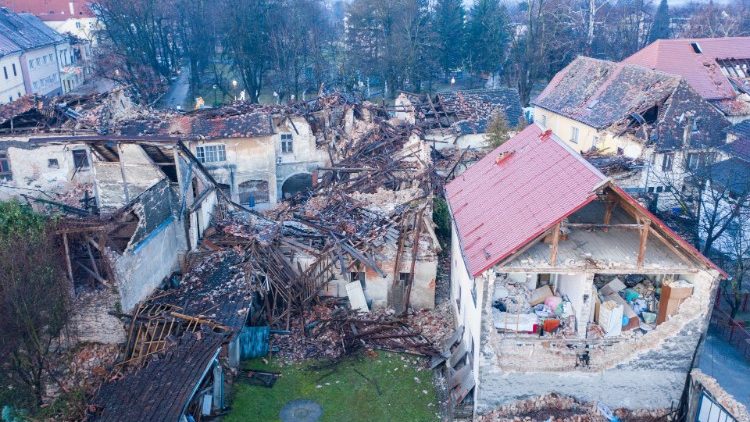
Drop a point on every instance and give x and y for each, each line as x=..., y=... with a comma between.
x=701, y=70
x=27, y=31
x=517, y=192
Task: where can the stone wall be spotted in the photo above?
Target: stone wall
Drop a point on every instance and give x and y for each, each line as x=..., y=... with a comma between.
x=632, y=372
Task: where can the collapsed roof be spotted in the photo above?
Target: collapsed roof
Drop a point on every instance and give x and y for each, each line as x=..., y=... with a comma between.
x=467, y=111
x=81, y=114
x=627, y=98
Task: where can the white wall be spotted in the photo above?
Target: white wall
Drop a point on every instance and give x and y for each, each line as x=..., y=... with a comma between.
x=11, y=87
x=139, y=271
x=468, y=312
x=41, y=77
x=32, y=173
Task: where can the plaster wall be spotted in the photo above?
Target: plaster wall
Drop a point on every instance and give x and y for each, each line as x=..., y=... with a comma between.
x=246, y=159
x=42, y=77
x=33, y=170
x=141, y=269
x=12, y=87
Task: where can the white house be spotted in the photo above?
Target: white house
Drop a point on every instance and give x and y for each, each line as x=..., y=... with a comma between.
x=11, y=78
x=564, y=283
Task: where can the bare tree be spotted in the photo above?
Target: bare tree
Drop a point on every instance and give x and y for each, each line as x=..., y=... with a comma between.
x=33, y=297
x=139, y=34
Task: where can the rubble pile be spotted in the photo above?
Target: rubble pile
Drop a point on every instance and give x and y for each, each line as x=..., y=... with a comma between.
x=557, y=408
x=612, y=165
x=331, y=330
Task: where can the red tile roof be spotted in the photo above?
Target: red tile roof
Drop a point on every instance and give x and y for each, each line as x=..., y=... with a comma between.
x=701, y=70
x=51, y=10
x=522, y=189
x=499, y=205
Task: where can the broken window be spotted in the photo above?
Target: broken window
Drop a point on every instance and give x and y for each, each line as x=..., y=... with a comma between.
x=5, y=173
x=358, y=276
x=287, y=145
x=666, y=162
x=80, y=159
x=403, y=278
x=574, y=135
x=53, y=163
x=211, y=153
x=253, y=192
x=696, y=160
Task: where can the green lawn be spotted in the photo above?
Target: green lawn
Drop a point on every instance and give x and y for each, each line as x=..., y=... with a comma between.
x=399, y=389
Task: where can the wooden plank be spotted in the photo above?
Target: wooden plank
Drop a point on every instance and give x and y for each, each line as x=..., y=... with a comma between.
x=458, y=376
x=459, y=393
x=71, y=288
x=555, y=244
x=643, y=243
x=458, y=354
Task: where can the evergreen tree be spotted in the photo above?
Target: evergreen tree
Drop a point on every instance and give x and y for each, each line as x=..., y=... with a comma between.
x=487, y=36
x=449, y=29
x=660, y=27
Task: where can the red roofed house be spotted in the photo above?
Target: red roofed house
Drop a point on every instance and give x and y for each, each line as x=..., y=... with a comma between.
x=564, y=283
x=717, y=68
x=64, y=16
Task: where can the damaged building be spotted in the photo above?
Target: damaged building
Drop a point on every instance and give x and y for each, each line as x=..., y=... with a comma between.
x=258, y=154
x=654, y=120
x=716, y=68
x=459, y=119
x=569, y=285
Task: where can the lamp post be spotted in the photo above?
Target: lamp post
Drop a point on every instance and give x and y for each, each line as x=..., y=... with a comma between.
x=234, y=88
x=216, y=102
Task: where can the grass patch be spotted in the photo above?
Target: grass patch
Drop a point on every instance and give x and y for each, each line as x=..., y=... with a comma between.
x=398, y=389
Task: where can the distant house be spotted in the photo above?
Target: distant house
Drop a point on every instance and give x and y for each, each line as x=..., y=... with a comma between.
x=459, y=118
x=64, y=16
x=11, y=78
x=621, y=109
x=46, y=61
x=563, y=283
x=718, y=69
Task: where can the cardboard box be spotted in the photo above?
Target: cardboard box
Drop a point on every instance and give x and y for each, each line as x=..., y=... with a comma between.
x=673, y=293
x=612, y=287
x=538, y=295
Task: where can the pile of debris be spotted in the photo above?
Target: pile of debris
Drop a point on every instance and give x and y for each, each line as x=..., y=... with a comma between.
x=613, y=165
x=334, y=330
x=557, y=408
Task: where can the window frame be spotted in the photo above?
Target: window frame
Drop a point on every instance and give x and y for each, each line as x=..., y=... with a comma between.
x=287, y=143
x=211, y=153
x=574, y=134
x=667, y=162
x=6, y=173
x=79, y=154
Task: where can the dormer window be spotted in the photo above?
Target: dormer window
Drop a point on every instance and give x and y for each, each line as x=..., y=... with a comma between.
x=696, y=48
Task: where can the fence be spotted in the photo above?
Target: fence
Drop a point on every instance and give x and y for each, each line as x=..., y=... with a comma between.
x=734, y=332
x=721, y=301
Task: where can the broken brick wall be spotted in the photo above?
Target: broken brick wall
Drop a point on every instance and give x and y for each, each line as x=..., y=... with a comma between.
x=636, y=372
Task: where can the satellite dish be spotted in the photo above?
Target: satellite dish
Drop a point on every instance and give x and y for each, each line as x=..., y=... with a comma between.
x=633, y=151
